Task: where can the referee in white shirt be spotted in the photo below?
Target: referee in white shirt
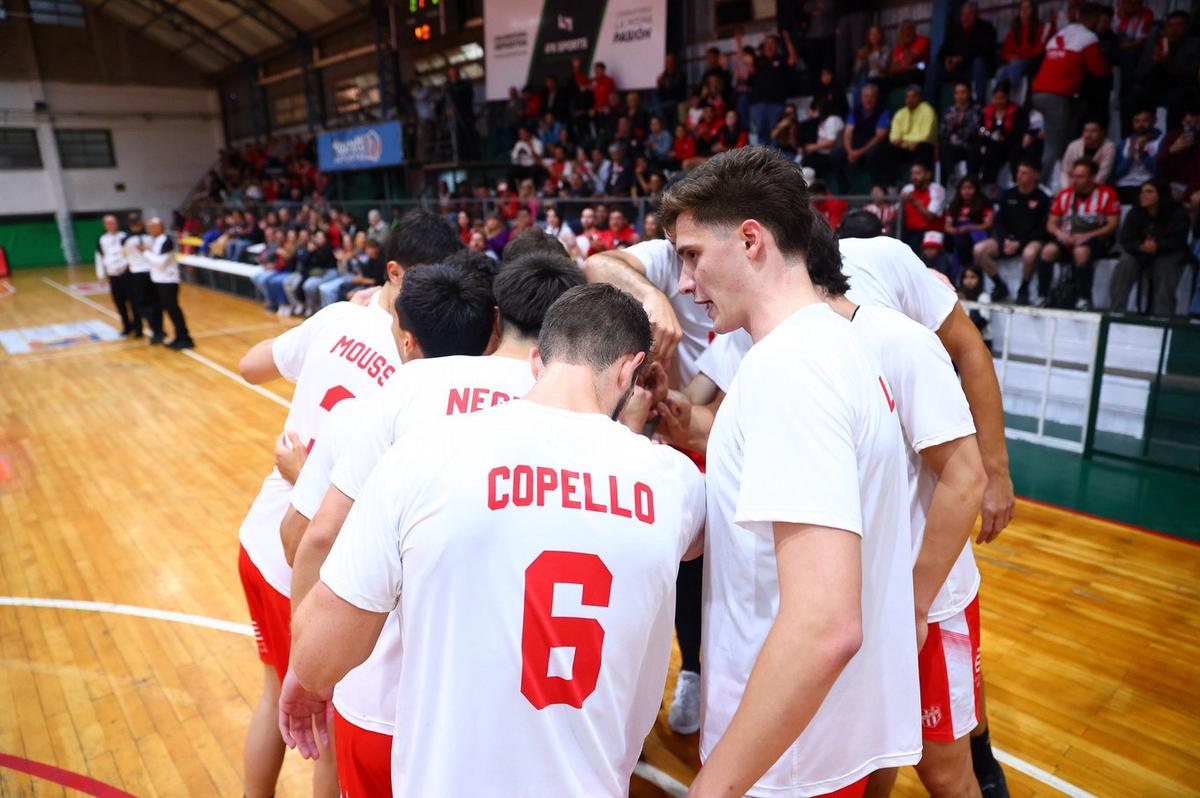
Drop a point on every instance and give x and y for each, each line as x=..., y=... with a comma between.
x=112, y=266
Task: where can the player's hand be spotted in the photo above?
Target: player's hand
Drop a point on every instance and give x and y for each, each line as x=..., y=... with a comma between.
x=638, y=410
x=664, y=324
x=675, y=418
x=290, y=455
x=654, y=379
x=997, y=508
x=300, y=711
x=366, y=296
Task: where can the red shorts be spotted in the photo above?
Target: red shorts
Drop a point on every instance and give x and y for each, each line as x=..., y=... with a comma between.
x=855, y=790
x=950, y=677
x=364, y=760
x=271, y=614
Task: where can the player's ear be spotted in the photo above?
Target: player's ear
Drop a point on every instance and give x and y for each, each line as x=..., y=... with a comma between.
x=629, y=369
x=410, y=347
x=497, y=331
x=535, y=363
x=395, y=272
x=752, y=238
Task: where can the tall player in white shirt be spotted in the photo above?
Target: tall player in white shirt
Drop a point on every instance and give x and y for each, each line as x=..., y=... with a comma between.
x=531, y=549
x=810, y=671
x=344, y=350
x=361, y=433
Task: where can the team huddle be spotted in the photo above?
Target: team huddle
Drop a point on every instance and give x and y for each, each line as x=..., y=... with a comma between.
x=462, y=572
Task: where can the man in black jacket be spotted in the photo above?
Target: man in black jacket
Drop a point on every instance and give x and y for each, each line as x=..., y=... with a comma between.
x=965, y=56
x=1020, y=228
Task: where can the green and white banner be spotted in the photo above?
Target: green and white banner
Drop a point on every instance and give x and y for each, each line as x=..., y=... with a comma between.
x=526, y=40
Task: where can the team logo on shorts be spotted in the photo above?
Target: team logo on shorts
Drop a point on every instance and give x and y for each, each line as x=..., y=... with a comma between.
x=931, y=717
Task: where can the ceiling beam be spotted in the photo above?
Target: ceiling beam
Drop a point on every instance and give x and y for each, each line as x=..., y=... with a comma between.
x=164, y=11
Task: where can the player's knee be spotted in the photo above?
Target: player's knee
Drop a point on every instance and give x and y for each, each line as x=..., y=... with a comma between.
x=947, y=777
x=1081, y=255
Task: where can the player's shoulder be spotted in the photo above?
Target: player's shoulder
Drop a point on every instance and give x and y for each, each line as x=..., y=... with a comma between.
x=656, y=251
x=812, y=334
x=861, y=251
x=899, y=335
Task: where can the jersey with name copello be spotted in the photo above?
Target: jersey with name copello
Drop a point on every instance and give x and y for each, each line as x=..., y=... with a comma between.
x=807, y=435
x=343, y=351
x=532, y=553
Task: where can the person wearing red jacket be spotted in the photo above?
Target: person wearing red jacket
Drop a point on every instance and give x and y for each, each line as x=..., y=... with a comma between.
x=1023, y=46
x=1071, y=54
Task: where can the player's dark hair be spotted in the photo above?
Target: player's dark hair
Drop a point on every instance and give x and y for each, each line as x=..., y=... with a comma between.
x=531, y=239
x=594, y=325
x=527, y=286
x=447, y=308
x=1030, y=163
x=759, y=183
x=1088, y=163
x=860, y=224
x=421, y=237
x=475, y=262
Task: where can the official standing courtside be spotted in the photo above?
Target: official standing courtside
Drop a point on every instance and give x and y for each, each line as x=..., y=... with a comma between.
x=112, y=266
x=141, y=288
x=164, y=273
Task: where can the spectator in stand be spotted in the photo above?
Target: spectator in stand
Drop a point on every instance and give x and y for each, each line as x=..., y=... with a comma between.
x=1071, y=54
x=1132, y=25
x=714, y=67
x=1024, y=46
x=829, y=206
x=425, y=101
x=557, y=229
x=882, y=209
x=587, y=240
x=731, y=135
x=1094, y=144
x=650, y=228
x=527, y=154
x=377, y=228
x=933, y=253
x=460, y=96
x=808, y=26
x=769, y=87
x=1167, y=71
x=706, y=131
x=658, y=144
x=1082, y=223
x=1137, y=157
x=967, y=54
x=531, y=105
x=1153, y=242
x=639, y=120
x=743, y=73
x=1096, y=92
x=619, y=233
x=683, y=149
x=602, y=85
x=349, y=263
x=293, y=252
x=914, y=130
x=959, y=134
x=909, y=59
x=830, y=95
x=1179, y=158
x=669, y=90
x=922, y=202
x=496, y=233
x=786, y=134
x=871, y=60
x=1002, y=133
x=478, y=243
x=549, y=129
x=620, y=173
x=554, y=99
x=1019, y=229
x=865, y=141
x=319, y=266
x=827, y=135
x=599, y=168
x=970, y=289
x=968, y=221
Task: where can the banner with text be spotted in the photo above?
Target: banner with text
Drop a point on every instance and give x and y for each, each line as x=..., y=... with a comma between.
x=366, y=147
x=526, y=40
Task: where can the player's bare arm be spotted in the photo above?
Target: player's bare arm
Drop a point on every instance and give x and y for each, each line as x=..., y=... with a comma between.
x=951, y=517
x=974, y=363
x=816, y=632
x=329, y=637
x=291, y=532
x=626, y=272
x=316, y=541
x=258, y=365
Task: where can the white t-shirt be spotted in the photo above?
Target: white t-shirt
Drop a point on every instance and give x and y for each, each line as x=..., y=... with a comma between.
x=358, y=435
x=343, y=351
x=138, y=263
x=883, y=271
x=831, y=129
x=662, y=270
x=532, y=553
x=933, y=410
x=724, y=355
x=161, y=257
x=806, y=435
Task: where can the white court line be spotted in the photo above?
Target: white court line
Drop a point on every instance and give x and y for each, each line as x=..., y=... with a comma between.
x=129, y=609
x=647, y=771
x=217, y=367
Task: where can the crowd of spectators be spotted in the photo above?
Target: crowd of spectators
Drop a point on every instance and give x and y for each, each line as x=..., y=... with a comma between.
x=995, y=146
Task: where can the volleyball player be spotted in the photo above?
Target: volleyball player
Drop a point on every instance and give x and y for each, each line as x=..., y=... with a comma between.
x=344, y=350
x=362, y=431
x=531, y=551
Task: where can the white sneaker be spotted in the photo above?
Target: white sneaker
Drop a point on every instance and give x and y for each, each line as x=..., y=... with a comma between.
x=684, y=715
x=284, y=311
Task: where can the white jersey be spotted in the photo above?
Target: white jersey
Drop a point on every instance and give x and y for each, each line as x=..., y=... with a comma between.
x=532, y=553
x=110, y=255
x=357, y=437
x=343, y=351
x=663, y=267
x=885, y=272
x=161, y=257
x=138, y=262
x=724, y=355
x=807, y=435
x=932, y=410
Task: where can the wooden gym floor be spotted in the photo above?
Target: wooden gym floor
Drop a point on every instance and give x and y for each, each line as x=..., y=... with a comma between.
x=125, y=471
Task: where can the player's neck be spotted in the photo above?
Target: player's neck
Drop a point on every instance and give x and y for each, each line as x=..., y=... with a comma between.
x=785, y=289
x=842, y=306
x=515, y=346
x=566, y=386
x=387, y=296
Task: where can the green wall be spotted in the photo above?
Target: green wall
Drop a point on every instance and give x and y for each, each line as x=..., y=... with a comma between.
x=32, y=242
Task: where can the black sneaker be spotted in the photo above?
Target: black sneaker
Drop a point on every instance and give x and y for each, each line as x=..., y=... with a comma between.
x=182, y=343
x=993, y=784
x=156, y=339
x=999, y=290
x=1023, y=295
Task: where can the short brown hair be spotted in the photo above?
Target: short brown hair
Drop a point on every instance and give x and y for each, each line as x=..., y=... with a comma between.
x=759, y=183
x=1090, y=163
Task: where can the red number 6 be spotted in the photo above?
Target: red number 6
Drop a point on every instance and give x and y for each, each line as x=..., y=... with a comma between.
x=542, y=631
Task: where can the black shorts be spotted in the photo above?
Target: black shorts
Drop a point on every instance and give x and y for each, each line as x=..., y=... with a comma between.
x=1097, y=248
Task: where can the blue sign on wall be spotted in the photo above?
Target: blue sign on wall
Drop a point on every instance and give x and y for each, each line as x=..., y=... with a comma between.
x=366, y=147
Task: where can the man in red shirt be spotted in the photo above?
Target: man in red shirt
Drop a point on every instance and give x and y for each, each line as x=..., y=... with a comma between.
x=602, y=85
x=1071, y=54
x=923, y=203
x=619, y=234
x=1082, y=223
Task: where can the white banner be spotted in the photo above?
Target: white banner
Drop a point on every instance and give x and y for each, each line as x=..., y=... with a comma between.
x=526, y=40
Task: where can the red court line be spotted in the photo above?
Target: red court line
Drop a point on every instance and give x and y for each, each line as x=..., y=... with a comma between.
x=66, y=778
x=1114, y=522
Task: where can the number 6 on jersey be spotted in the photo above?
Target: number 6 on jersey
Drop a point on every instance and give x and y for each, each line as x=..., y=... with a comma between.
x=542, y=631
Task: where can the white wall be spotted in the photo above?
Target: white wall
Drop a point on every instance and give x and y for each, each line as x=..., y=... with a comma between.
x=163, y=142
